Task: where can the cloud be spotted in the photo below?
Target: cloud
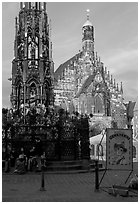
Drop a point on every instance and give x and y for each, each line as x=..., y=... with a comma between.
x=64, y=51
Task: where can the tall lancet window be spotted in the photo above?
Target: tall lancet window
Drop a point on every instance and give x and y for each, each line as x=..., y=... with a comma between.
x=36, y=48
x=19, y=92
x=98, y=104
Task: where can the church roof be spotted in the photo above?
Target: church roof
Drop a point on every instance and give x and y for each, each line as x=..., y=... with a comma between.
x=64, y=65
x=85, y=85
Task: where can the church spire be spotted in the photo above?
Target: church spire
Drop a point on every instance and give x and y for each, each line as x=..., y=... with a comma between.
x=88, y=35
x=87, y=23
x=108, y=74
x=88, y=14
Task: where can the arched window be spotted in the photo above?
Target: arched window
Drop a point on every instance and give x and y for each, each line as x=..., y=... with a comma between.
x=19, y=92
x=98, y=103
x=134, y=152
x=33, y=88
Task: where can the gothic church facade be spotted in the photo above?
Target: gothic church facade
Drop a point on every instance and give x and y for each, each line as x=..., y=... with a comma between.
x=83, y=84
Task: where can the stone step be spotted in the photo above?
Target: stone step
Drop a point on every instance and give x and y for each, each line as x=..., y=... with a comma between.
x=69, y=166
x=63, y=168
x=64, y=163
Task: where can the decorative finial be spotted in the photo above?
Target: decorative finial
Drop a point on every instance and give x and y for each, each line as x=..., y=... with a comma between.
x=111, y=79
x=117, y=87
x=45, y=6
x=96, y=56
x=108, y=74
x=114, y=83
x=88, y=14
x=121, y=89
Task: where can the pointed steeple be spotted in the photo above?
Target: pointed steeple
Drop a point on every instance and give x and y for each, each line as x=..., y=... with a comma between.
x=102, y=68
x=108, y=75
x=105, y=70
x=16, y=36
x=88, y=14
x=96, y=57
x=117, y=87
x=16, y=25
x=121, y=89
x=87, y=23
x=114, y=84
x=111, y=80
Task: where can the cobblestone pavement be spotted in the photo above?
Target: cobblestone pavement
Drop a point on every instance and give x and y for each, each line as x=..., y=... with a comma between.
x=77, y=187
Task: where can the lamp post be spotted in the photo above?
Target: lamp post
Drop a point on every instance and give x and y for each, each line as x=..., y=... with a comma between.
x=96, y=176
x=42, y=188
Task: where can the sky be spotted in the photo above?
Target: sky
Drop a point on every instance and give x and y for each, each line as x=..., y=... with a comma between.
x=116, y=39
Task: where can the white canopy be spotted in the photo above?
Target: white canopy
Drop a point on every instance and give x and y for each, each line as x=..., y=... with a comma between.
x=96, y=139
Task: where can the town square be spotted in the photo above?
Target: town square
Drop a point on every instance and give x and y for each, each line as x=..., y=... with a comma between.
x=70, y=113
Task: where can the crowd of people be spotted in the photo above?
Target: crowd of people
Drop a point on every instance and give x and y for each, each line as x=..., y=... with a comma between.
x=23, y=160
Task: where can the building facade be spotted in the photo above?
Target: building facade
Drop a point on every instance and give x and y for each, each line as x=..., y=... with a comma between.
x=32, y=66
x=84, y=84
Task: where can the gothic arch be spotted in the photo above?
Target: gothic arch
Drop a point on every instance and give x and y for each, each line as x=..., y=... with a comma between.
x=31, y=80
x=19, y=86
x=33, y=89
x=99, y=103
x=19, y=93
x=47, y=82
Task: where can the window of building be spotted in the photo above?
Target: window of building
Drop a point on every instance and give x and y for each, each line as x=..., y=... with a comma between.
x=98, y=102
x=134, y=152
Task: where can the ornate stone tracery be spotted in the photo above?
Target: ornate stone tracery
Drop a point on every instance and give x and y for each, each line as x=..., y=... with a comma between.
x=33, y=61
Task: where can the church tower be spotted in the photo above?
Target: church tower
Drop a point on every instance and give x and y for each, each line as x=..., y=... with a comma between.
x=32, y=66
x=88, y=36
